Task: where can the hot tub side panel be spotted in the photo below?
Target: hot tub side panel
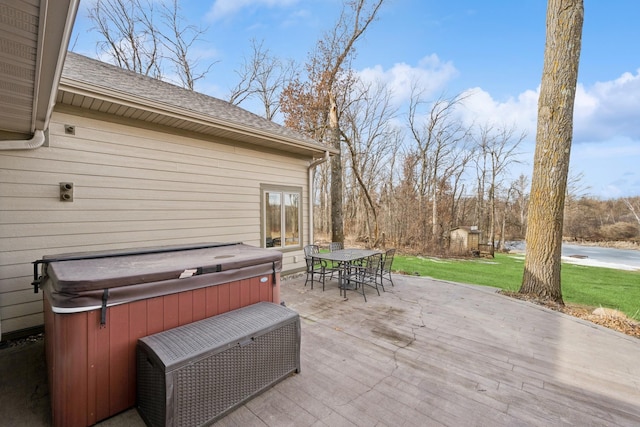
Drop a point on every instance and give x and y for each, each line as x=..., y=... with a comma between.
x=92, y=369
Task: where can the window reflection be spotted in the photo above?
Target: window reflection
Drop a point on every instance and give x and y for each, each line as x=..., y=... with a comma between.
x=273, y=226
x=282, y=219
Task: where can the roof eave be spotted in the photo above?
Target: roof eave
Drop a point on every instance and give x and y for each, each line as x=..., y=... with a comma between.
x=132, y=101
x=53, y=39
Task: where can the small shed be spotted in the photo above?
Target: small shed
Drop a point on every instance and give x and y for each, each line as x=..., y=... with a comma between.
x=464, y=239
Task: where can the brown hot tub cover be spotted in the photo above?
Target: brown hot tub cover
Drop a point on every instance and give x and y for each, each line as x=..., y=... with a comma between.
x=89, y=281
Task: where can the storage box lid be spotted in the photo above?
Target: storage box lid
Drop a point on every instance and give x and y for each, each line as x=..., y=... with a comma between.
x=189, y=343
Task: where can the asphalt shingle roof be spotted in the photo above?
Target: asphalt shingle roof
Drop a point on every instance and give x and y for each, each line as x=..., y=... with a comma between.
x=125, y=83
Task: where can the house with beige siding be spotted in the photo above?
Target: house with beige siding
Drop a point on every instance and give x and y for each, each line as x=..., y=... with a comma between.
x=123, y=161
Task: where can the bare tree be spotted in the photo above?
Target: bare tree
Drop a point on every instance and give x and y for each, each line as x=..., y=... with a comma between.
x=482, y=162
x=370, y=140
x=553, y=146
x=440, y=142
x=129, y=34
x=139, y=37
x=634, y=209
x=504, y=217
x=316, y=104
x=178, y=41
x=520, y=187
x=503, y=152
x=404, y=222
x=262, y=76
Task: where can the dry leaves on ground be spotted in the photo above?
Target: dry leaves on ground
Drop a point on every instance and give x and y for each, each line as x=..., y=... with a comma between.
x=609, y=319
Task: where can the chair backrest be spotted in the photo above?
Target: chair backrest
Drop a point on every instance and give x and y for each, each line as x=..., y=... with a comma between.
x=335, y=246
x=310, y=250
x=388, y=259
x=374, y=262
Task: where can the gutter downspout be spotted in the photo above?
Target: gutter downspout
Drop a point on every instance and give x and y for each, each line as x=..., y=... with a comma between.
x=36, y=141
x=311, y=170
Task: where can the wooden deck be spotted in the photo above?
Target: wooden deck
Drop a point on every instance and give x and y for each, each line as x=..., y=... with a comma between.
x=429, y=352
x=424, y=353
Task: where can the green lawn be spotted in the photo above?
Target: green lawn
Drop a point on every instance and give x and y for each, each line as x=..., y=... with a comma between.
x=592, y=286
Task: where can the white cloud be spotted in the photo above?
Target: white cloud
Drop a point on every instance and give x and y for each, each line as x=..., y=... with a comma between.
x=608, y=109
x=480, y=108
x=224, y=8
x=606, y=144
x=603, y=111
x=431, y=75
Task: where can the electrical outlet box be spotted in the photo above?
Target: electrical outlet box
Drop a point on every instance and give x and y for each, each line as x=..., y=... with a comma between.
x=66, y=191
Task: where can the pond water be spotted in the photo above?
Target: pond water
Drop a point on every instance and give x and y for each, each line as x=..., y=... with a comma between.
x=623, y=259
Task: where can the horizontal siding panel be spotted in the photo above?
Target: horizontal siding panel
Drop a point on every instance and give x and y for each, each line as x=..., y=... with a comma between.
x=22, y=296
x=17, y=310
x=111, y=193
x=23, y=322
x=53, y=217
x=80, y=157
x=116, y=139
x=56, y=229
x=288, y=262
x=54, y=203
x=106, y=237
x=89, y=246
x=12, y=276
x=21, y=283
x=136, y=140
x=112, y=162
x=85, y=191
x=65, y=169
x=26, y=177
x=20, y=259
x=25, y=257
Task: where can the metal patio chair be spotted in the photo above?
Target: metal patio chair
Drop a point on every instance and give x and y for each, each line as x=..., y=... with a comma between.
x=366, y=274
x=385, y=267
x=335, y=266
x=315, y=266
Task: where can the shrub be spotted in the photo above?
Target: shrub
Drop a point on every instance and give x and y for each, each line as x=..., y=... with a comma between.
x=619, y=231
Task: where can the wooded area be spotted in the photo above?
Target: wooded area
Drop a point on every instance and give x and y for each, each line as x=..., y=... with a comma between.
x=404, y=216
x=405, y=177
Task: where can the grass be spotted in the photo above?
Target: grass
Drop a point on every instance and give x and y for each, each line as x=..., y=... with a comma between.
x=584, y=285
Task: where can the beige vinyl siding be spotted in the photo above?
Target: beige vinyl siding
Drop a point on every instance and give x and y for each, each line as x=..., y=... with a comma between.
x=133, y=188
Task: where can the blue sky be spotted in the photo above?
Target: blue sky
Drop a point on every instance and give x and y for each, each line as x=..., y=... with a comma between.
x=492, y=49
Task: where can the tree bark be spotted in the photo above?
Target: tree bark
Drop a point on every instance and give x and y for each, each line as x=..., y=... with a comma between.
x=337, y=217
x=553, y=146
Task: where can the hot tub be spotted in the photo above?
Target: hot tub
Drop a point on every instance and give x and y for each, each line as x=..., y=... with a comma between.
x=97, y=305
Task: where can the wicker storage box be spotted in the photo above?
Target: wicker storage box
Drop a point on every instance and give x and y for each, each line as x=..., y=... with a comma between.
x=195, y=374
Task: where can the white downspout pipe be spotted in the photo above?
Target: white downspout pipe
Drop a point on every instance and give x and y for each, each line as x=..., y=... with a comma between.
x=310, y=170
x=36, y=141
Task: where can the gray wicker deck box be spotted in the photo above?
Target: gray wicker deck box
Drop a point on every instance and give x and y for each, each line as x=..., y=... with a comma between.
x=194, y=374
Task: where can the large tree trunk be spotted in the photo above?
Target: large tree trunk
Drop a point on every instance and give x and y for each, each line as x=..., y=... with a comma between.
x=337, y=217
x=553, y=145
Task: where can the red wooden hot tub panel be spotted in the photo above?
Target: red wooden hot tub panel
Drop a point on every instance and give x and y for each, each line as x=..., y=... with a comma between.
x=91, y=369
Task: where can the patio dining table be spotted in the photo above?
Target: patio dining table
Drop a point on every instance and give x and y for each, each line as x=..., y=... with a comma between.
x=345, y=259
